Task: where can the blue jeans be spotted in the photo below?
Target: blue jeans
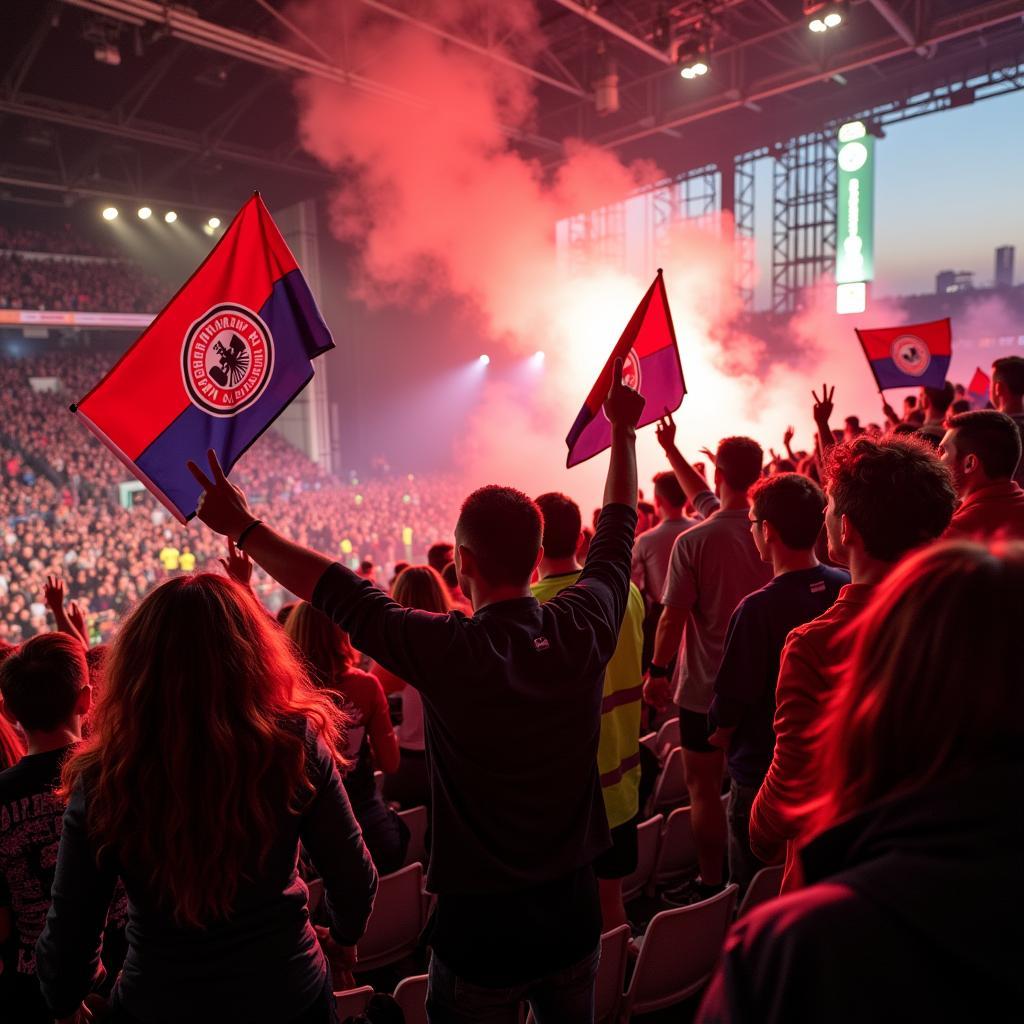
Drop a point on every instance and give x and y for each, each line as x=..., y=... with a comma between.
x=564, y=997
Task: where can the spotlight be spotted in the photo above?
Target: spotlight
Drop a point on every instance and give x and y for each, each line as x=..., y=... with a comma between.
x=823, y=14
x=170, y=216
x=214, y=222
x=687, y=72
x=484, y=360
x=539, y=355
x=145, y=213
x=700, y=68
x=110, y=213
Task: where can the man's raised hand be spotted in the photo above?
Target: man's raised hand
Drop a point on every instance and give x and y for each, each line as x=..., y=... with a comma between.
x=823, y=406
x=665, y=431
x=623, y=405
x=222, y=505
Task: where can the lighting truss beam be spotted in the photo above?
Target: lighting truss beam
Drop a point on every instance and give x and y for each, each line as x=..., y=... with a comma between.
x=617, y=30
x=89, y=119
x=181, y=23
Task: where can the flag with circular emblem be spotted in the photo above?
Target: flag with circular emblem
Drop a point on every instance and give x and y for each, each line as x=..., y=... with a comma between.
x=909, y=357
x=217, y=366
x=650, y=364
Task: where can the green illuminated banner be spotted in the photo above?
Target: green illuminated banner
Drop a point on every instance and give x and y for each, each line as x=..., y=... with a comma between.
x=855, y=240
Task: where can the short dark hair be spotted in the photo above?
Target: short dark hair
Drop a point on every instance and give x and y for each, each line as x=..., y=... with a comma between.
x=993, y=437
x=793, y=504
x=1009, y=371
x=853, y=421
x=440, y=554
x=666, y=487
x=366, y=565
x=910, y=401
x=562, y=522
x=739, y=460
x=40, y=682
x=450, y=576
x=894, y=491
x=960, y=405
x=940, y=399
x=502, y=527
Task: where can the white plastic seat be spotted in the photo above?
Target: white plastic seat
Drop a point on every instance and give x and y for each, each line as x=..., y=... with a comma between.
x=670, y=789
x=411, y=996
x=416, y=820
x=648, y=835
x=678, y=954
x=352, y=1001
x=677, y=851
x=764, y=886
x=611, y=973
x=398, y=918
x=668, y=736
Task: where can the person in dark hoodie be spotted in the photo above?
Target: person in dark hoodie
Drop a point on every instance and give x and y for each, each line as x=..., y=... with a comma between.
x=913, y=904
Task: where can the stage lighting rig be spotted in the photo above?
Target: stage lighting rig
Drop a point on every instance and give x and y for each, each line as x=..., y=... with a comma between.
x=822, y=16
x=170, y=217
x=693, y=51
x=606, y=83
x=145, y=213
x=110, y=213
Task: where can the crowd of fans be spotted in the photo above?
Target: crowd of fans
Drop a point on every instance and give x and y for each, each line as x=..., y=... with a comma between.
x=62, y=514
x=832, y=630
x=65, y=240
x=85, y=286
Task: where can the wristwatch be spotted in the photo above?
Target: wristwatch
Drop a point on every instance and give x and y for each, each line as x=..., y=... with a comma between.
x=657, y=671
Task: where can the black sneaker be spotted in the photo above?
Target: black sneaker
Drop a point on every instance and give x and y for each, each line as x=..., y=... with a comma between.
x=693, y=891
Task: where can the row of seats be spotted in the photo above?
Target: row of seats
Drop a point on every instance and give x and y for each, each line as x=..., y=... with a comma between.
x=678, y=951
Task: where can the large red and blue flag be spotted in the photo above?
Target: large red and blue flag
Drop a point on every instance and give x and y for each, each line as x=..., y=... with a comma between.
x=650, y=364
x=216, y=367
x=909, y=357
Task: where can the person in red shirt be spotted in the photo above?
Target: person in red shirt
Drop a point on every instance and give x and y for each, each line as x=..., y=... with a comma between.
x=982, y=450
x=885, y=498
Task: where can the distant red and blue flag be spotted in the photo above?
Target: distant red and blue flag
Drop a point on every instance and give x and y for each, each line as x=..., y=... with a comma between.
x=650, y=364
x=909, y=357
x=978, y=389
x=218, y=365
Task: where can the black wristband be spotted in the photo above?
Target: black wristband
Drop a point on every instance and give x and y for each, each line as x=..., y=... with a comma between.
x=245, y=533
x=658, y=671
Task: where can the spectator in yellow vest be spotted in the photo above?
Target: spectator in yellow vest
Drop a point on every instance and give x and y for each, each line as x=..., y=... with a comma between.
x=170, y=557
x=187, y=561
x=618, y=753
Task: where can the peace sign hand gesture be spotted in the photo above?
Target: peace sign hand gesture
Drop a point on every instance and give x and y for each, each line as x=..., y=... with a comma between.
x=823, y=406
x=222, y=505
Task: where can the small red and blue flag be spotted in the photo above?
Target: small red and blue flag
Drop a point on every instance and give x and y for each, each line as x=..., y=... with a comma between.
x=217, y=366
x=909, y=357
x=978, y=389
x=650, y=364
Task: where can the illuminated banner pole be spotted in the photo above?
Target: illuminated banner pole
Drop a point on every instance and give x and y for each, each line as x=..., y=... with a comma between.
x=855, y=228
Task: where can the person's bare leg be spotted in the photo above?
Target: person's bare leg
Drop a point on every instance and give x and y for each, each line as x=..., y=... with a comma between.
x=707, y=816
x=613, y=908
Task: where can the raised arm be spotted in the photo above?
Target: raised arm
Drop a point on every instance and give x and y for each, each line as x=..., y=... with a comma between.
x=623, y=407
x=224, y=509
x=822, y=411
x=689, y=479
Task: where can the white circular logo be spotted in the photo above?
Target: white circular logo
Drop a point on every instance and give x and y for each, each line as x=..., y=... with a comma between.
x=227, y=359
x=911, y=354
x=853, y=156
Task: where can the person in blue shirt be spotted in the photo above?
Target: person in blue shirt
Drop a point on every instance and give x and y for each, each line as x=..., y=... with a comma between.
x=786, y=515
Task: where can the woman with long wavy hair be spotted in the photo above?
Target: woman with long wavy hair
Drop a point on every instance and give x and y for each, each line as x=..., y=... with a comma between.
x=212, y=756
x=914, y=904
x=370, y=740
x=12, y=745
x=417, y=586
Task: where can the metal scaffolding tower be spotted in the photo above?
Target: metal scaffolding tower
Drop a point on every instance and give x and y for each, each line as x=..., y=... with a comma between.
x=804, y=216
